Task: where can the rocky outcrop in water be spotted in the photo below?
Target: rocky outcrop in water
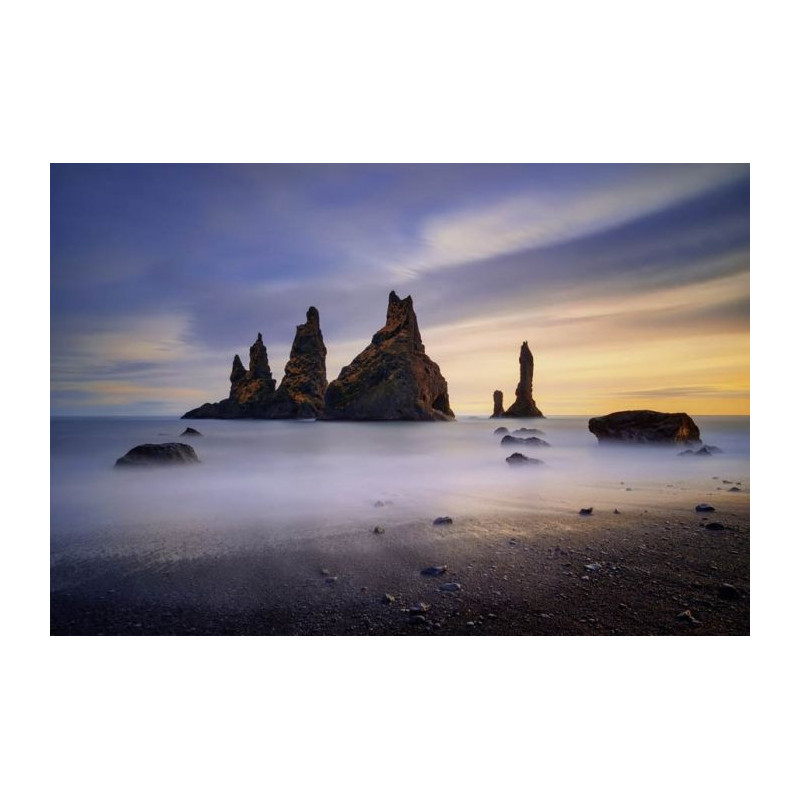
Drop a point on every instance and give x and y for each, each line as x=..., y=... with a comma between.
x=524, y=405
x=253, y=394
x=645, y=427
x=393, y=378
x=155, y=455
x=301, y=394
x=498, y=404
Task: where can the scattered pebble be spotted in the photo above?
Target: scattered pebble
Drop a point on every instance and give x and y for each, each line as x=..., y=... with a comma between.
x=704, y=508
x=734, y=489
x=586, y=511
x=687, y=616
x=324, y=572
x=728, y=592
x=592, y=567
x=331, y=579
x=418, y=619
x=443, y=521
x=378, y=529
x=440, y=570
x=419, y=608
x=616, y=511
x=388, y=599
x=714, y=526
x=450, y=587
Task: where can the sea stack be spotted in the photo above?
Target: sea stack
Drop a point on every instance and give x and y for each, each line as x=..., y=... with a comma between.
x=393, y=378
x=524, y=405
x=301, y=394
x=498, y=404
x=253, y=394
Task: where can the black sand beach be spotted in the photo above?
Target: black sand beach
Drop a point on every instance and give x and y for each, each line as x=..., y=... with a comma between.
x=637, y=572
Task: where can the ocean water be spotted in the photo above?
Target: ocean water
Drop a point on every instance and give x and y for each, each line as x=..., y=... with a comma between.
x=282, y=478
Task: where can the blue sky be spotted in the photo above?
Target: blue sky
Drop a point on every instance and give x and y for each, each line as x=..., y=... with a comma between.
x=630, y=282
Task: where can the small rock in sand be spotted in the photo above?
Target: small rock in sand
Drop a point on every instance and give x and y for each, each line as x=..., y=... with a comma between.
x=388, y=599
x=586, y=511
x=434, y=570
x=378, y=529
x=704, y=508
x=734, y=489
x=450, y=587
x=714, y=526
x=419, y=608
x=686, y=616
x=728, y=592
x=332, y=579
x=616, y=511
x=592, y=567
x=443, y=521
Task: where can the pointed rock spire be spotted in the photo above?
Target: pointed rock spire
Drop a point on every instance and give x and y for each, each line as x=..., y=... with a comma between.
x=498, y=404
x=302, y=390
x=524, y=405
x=238, y=372
x=392, y=379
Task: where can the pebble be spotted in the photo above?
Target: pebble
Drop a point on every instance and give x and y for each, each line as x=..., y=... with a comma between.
x=686, y=616
x=728, y=592
x=443, y=521
x=378, y=529
x=714, y=526
x=734, y=489
x=586, y=511
x=616, y=511
x=434, y=570
x=450, y=587
x=592, y=567
x=418, y=619
x=331, y=579
x=419, y=608
x=704, y=508
x=388, y=599
x=324, y=572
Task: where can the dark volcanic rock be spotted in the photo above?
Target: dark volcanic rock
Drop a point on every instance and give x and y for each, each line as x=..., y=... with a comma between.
x=728, y=592
x=434, y=570
x=155, y=455
x=586, y=511
x=647, y=427
x=191, y=432
x=253, y=395
x=531, y=441
x=524, y=431
x=704, y=508
x=518, y=459
x=252, y=390
x=443, y=521
x=524, y=405
x=392, y=379
x=301, y=394
x=498, y=404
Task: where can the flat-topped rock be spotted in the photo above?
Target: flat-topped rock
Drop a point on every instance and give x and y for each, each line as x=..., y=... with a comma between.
x=155, y=455
x=645, y=427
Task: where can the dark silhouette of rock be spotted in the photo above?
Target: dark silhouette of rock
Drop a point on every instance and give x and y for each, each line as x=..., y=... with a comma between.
x=392, y=379
x=155, y=455
x=498, y=404
x=253, y=395
x=301, y=394
x=531, y=441
x=524, y=405
x=252, y=390
x=440, y=570
x=443, y=521
x=584, y=512
x=500, y=430
x=531, y=431
x=518, y=459
x=728, y=592
x=191, y=432
x=704, y=508
x=645, y=427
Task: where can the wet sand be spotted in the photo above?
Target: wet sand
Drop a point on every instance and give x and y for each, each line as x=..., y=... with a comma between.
x=632, y=573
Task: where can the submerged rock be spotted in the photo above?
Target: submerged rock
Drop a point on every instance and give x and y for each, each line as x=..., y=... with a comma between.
x=500, y=430
x=645, y=427
x=154, y=455
x=524, y=405
x=191, y=432
x=518, y=459
x=393, y=378
x=527, y=431
x=530, y=441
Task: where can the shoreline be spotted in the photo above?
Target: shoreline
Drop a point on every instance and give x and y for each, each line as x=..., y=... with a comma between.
x=555, y=573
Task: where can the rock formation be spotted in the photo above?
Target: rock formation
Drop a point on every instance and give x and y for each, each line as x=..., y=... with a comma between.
x=498, y=404
x=392, y=379
x=524, y=405
x=301, y=394
x=150, y=455
x=253, y=394
x=648, y=427
x=533, y=441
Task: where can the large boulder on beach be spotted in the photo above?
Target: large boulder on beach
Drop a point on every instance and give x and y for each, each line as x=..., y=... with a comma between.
x=155, y=455
x=524, y=405
x=645, y=427
x=393, y=378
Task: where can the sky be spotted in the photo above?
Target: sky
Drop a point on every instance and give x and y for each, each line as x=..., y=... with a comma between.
x=630, y=282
